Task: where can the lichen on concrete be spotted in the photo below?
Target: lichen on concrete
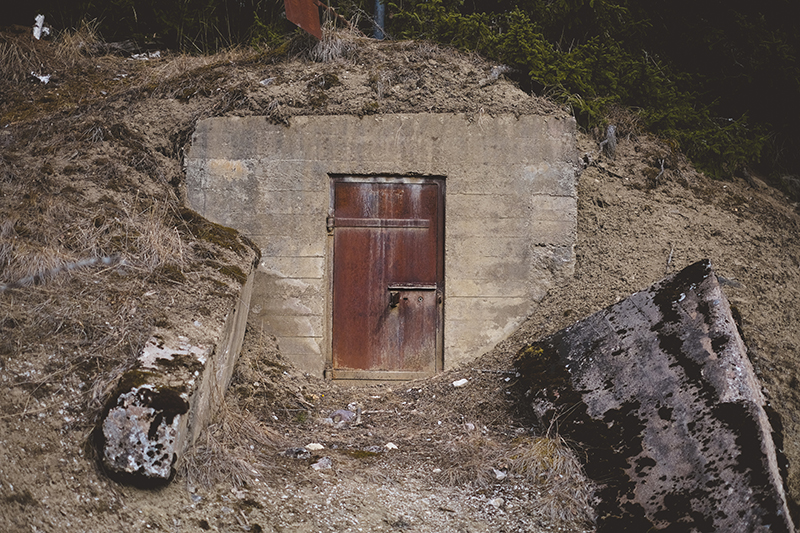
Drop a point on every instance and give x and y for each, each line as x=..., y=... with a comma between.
x=141, y=430
x=159, y=407
x=659, y=394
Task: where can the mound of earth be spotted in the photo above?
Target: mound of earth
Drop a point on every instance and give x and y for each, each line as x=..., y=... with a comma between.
x=91, y=166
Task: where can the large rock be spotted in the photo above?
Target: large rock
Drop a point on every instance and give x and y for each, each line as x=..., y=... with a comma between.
x=658, y=394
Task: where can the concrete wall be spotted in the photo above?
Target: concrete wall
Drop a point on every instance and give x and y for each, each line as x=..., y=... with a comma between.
x=510, y=212
x=159, y=407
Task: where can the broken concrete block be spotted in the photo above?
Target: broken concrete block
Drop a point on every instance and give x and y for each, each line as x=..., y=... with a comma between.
x=141, y=430
x=158, y=408
x=660, y=397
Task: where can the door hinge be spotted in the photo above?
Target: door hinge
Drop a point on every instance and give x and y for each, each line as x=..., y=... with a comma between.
x=329, y=224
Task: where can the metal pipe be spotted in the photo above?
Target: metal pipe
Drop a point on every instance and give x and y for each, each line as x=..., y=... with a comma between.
x=380, y=11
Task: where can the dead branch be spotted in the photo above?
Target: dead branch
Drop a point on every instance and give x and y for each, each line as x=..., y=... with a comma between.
x=669, y=259
x=41, y=277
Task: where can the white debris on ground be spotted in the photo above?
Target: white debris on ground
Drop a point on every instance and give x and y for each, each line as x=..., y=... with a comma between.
x=144, y=56
x=39, y=29
x=42, y=78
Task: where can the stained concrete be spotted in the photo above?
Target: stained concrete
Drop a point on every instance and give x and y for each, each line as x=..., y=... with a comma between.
x=659, y=395
x=510, y=212
x=159, y=407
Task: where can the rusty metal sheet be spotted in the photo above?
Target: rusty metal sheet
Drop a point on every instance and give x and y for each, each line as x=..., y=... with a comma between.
x=382, y=223
x=304, y=13
x=388, y=276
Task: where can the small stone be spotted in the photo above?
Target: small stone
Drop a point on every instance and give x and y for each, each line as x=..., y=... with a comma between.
x=390, y=446
x=315, y=446
x=469, y=426
x=323, y=464
x=497, y=503
x=460, y=382
x=499, y=475
x=297, y=453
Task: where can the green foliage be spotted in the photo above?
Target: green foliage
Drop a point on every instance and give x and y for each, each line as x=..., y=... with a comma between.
x=590, y=75
x=720, y=146
x=265, y=35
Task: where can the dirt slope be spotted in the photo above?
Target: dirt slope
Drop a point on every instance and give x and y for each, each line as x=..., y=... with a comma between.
x=90, y=166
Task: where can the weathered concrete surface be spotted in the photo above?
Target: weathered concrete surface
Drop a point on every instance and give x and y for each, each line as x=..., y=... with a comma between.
x=510, y=212
x=158, y=408
x=659, y=394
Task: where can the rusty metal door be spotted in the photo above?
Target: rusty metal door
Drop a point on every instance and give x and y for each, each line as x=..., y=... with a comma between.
x=388, y=277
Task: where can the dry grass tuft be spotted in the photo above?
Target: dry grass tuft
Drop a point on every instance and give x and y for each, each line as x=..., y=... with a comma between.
x=236, y=448
x=32, y=252
x=65, y=237
x=17, y=61
x=471, y=461
x=155, y=242
x=34, y=268
x=429, y=50
x=335, y=45
x=566, y=492
x=73, y=46
x=21, y=54
x=180, y=65
x=626, y=120
x=185, y=76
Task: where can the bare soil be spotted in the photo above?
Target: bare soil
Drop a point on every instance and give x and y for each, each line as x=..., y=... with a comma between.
x=90, y=166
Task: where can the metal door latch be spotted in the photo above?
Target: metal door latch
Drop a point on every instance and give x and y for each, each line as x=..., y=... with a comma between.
x=394, y=298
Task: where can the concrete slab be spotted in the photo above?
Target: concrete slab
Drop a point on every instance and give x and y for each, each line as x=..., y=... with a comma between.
x=658, y=393
x=159, y=407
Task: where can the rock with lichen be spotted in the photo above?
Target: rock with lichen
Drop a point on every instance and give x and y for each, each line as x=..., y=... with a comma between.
x=659, y=394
